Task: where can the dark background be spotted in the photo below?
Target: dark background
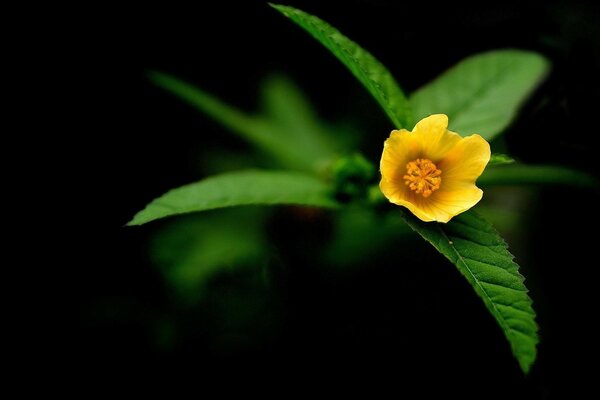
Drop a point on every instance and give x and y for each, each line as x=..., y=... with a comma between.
x=406, y=321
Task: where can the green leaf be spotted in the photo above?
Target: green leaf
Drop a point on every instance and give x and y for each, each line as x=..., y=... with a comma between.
x=482, y=93
x=366, y=68
x=269, y=137
x=520, y=174
x=287, y=107
x=189, y=251
x=351, y=176
x=360, y=234
x=482, y=257
x=500, y=159
x=239, y=189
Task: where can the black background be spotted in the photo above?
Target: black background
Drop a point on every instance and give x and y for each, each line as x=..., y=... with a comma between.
x=399, y=325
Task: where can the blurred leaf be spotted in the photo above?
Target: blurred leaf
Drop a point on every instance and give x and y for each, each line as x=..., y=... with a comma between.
x=500, y=159
x=220, y=160
x=503, y=219
x=366, y=68
x=351, y=176
x=265, y=134
x=482, y=93
x=482, y=257
x=520, y=174
x=359, y=234
x=287, y=107
x=239, y=189
x=348, y=136
x=191, y=250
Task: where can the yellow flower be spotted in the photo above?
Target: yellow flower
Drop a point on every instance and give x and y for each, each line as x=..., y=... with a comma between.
x=431, y=170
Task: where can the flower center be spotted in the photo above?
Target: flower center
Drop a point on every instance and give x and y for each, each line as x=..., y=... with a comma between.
x=423, y=176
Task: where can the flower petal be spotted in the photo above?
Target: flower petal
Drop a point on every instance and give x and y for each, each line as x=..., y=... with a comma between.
x=435, y=138
x=418, y=205
x=398, y=150
x=445, y=204
x=402, y=196
x=434, y=124
x=465, y=162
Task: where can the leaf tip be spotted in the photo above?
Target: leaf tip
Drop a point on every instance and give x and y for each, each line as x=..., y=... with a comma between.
x=137, y=220
x=526, y=363
x=278, y=7
x=287, y=11
x=133, y=222
x=157, y=77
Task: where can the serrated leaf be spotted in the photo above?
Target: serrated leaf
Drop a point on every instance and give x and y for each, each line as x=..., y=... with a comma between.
x=482, y=257
x=366, y=68
x=482, y=93
x=500, y=159
x=521, y=174
x=239, y=189
x=263, y=133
